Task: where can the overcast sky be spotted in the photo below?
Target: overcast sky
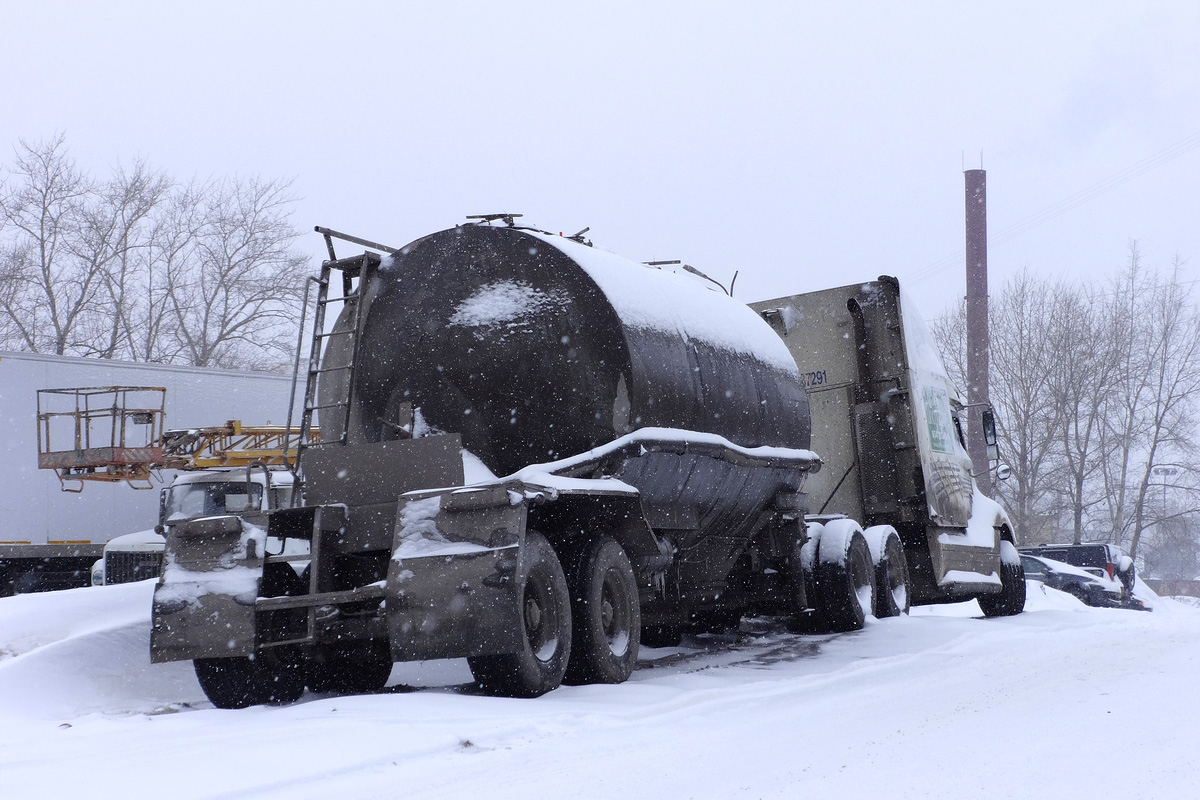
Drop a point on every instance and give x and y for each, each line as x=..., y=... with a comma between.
x=805, y=144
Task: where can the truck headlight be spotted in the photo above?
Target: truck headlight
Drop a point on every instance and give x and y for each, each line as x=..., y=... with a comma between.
x=98, y=573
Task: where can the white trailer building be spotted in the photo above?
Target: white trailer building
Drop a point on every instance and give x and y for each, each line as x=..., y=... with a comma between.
x=48, y=537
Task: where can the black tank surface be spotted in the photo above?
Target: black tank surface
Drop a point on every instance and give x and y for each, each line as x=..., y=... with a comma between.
x=535, y=348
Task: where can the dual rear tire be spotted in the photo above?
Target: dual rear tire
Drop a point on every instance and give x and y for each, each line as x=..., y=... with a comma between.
x=848, y=575
x=845, y=576
x=581, y=624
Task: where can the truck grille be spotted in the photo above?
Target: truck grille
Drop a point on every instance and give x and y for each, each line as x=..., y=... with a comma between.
x=128, y=567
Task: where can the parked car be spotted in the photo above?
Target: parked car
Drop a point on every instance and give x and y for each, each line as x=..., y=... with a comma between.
x=1101, y=560
x=1091, y=589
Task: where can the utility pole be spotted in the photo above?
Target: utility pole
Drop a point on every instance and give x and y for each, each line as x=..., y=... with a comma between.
x=977, y=325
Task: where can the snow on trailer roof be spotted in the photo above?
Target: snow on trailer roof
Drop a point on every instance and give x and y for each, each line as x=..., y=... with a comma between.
x=656, y=299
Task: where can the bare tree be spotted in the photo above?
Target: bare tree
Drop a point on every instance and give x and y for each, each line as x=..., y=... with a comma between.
x=1022, y=358
x=238, y=302
x=136, y=267
x=1152, y=413
x=169, y=259
x=48, y=290
x=1022, y=371
x=115, y=227
x=1083, y=363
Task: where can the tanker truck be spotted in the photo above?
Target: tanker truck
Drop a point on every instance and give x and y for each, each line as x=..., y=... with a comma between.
x=540, y=456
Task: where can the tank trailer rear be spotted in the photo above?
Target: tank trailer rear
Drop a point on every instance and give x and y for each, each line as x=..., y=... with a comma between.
x=652, y=441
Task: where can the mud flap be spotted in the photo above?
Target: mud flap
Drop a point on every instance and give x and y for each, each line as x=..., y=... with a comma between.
x=204, y=601
x=450, y=590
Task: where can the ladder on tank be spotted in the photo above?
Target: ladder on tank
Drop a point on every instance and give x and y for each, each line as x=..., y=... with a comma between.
x=354, y=270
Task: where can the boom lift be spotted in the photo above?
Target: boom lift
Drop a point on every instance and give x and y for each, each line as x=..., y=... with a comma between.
x=116, y=433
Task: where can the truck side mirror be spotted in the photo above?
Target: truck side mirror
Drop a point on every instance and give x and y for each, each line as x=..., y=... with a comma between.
x=1003, y=471
x=162, y=506
x=988, y=419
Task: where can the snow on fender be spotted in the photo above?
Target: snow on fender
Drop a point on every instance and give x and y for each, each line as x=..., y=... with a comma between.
x=876, y=537
x=836, y=540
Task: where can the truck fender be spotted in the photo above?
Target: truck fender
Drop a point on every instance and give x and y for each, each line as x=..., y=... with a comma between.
x=212, y=571
x=449, y=589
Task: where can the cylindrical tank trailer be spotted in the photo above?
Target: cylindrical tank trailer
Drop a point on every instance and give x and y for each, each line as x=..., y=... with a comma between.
x=645, y=439
x=535, y=347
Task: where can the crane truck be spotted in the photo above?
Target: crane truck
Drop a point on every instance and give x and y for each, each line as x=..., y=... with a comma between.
x=49, y=539
x=541, y=456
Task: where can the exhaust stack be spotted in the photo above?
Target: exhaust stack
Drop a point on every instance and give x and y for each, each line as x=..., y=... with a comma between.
x=977, y=324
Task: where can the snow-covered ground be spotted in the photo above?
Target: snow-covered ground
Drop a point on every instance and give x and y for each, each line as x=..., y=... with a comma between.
x=1063, y=701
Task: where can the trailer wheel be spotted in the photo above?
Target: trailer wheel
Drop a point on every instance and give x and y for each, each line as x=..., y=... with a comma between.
x=1011, y=598
x=606, y=618
x=845, y=576
x=546, y=610
x=891, y=571
x=356, y=668
x=274, y=675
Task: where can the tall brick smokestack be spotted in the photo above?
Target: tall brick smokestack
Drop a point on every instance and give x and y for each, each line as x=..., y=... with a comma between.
x=977, y=324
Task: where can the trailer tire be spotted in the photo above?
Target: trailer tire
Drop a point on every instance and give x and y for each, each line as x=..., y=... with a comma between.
x=892, y=591
x=1011, y=598
x=274, y=675
x=606, y=618
x=845, y=577
x=539, y=666
x=356, y=668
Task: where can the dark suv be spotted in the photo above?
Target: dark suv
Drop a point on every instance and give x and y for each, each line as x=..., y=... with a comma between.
x=1101, y=560
x=1091, y=589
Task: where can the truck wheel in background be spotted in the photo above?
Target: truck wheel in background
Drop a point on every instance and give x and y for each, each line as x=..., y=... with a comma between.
x=546, y=610
x=606, y=619
x=274, y=675
x=892, y=595
x=1011, y=598
x=354, y=668
x=845, y=576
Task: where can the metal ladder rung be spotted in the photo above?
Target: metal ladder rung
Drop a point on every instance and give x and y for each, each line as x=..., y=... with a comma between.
x=350, y=268
x=326, y=442
x=347, y=299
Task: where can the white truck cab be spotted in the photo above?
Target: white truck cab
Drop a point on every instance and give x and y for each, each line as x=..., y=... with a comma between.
x=248, y=492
